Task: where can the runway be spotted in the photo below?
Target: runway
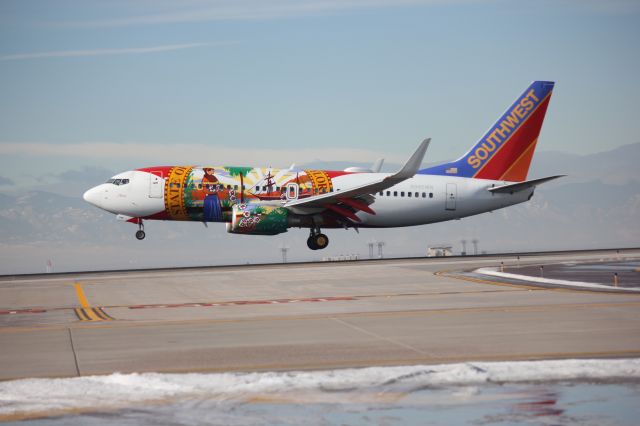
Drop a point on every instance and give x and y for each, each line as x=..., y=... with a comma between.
x=304, y=316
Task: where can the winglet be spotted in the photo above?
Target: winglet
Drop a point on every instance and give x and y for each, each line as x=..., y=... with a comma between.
x=408, y=170
x=412, y=166
x=377, y=165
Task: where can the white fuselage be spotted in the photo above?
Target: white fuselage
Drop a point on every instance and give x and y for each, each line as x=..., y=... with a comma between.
x=445, y=198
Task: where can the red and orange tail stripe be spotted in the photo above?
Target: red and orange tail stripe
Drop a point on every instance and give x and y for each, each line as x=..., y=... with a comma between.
x=506, y=149
x=512, y=159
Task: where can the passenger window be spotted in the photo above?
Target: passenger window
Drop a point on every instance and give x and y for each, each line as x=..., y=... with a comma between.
x=416, y=194
x=402, y=193
x=408, y=194
x=424, y=195
x=388, y=193
x=395, y=193
x=431, y=195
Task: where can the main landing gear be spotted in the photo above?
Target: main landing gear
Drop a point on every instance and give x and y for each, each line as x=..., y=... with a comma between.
x=140, y=232
x=317, y=240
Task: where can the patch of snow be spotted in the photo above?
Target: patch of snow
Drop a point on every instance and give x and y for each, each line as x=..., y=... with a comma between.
x=120, y=390
x=494, y=272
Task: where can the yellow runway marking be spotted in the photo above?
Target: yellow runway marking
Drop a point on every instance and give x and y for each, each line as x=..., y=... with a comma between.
x=87, y=313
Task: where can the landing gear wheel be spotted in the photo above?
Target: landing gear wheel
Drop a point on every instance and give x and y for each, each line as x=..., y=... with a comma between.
x=140, y=233
x=321, y=241
x=317, y=241
x=311, y=243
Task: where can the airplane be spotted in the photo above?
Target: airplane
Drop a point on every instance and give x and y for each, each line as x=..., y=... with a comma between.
x=266, y=201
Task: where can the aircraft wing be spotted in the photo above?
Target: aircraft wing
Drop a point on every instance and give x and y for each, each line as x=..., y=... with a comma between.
x=340, y=201
x=520, y=186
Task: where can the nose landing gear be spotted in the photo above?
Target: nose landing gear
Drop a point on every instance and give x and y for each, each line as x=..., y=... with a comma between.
x=140, y=232
x=317, y=240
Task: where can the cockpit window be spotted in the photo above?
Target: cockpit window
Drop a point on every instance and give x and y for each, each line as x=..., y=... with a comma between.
x=118, y=181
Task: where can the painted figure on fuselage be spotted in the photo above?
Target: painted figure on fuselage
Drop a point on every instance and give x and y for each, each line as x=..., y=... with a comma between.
x=211, y=204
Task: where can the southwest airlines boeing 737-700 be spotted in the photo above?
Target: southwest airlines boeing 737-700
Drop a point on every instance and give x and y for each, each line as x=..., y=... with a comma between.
x=266, y=201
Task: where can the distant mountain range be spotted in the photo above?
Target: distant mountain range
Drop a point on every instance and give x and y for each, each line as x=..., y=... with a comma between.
x=596, y=205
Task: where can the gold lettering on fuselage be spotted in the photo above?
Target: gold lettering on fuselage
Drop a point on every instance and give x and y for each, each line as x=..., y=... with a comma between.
x=174, y=187
x=321, y=181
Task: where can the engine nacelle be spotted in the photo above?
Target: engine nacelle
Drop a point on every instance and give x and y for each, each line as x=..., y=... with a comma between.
x=258, y=219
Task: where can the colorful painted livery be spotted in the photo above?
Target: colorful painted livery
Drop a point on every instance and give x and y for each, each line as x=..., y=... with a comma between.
x=268, y=201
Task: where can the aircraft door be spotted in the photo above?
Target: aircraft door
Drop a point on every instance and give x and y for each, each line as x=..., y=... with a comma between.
x=452, y=194
x=156, y=187
x=292, y=191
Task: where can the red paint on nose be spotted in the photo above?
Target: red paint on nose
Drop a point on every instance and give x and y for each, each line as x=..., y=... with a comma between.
x=160, y=171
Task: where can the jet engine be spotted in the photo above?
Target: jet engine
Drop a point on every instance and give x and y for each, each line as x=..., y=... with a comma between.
x=258, y=219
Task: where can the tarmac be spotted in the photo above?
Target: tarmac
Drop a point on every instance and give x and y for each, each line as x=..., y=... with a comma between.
x=306, y=316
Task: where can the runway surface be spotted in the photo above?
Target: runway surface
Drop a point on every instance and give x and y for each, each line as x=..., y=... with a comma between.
x=308, y=316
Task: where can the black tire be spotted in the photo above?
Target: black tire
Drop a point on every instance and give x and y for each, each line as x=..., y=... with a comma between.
x=321, y=241
x=140, y=235
x=311, y=243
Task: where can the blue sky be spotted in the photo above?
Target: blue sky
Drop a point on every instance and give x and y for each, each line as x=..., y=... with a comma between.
x=125, y=84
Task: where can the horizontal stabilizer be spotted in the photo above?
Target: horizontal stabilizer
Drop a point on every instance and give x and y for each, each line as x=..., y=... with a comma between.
x=521, y=186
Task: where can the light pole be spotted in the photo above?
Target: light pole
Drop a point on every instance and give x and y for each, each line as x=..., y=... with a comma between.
x=475, y=246
x=371, y=244
x=464, y=247
x=284, y=249
x=380, y=245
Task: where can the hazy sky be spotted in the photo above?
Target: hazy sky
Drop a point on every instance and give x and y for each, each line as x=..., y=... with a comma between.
x=123, y=84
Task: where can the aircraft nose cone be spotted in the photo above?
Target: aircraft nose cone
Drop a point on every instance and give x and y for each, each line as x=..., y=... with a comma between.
x=92, y=197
